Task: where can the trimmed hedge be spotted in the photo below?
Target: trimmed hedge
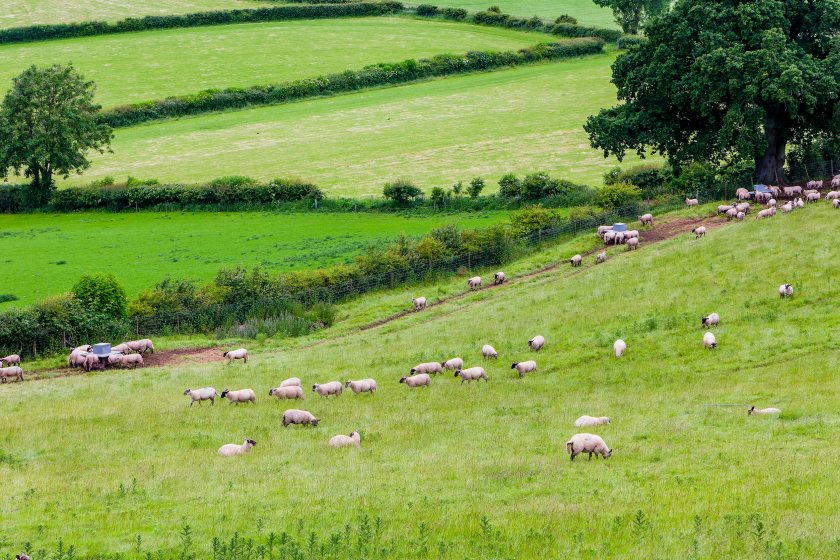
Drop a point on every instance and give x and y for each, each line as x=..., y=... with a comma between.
x=273, y=13
x=350, y=80
x=628, y=41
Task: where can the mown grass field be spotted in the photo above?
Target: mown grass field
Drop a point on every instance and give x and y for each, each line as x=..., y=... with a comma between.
x=249, y=54
x=480, y=470
x=586, y=11
x=46, y=254
x=434, y=133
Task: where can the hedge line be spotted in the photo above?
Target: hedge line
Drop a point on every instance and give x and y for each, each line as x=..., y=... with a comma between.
x=350, y=80
x=273, y=13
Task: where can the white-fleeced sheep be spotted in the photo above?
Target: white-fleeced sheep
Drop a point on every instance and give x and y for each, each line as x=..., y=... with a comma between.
x=711, y=320
x=587, y=443
x=115, y=358
x=709, y=341
x=92, y=361
x=792, y=191
x=287, y=392
x=770, y=212
x=132, y=360
x=731, y=213
x=240, y=396
x=836, y=202
x=799, y=203
x=84, y=348
x=353, y=440
x=122, y=348
x=499, y=278
x=427, y=367
x=699, y=232
x=587, y=421
x=141, y=346
x=724, y=208
x=524, y=367
x=77, y=358
x=419, y=380
x=785, y=290
x=619, y=346
x=299, y=417
x=536, y=343
x=601, y=257
x=812, y=197
x=232, y=450
x=489, y=352
x=691, y=202
x=770, y=410
x=743, y=207
x=327, y=389
x=474, y=283
x=362, y=386
x=471, y=374
x=609, y=237
x=631, y=233
x=291, y=382
x=739, y=216
x=646, y=220
x=453, y=363
x=13, y=372
x=776, y=191
x=742, y=194
x=240, y=354
x=771, y=203
x=576, y=260
x=602, y=230
x=418, y=303
x=632, y=243
x=786, y=208
x=10, y=360
x=200, y=395
x=835, y=181
x=832, y=195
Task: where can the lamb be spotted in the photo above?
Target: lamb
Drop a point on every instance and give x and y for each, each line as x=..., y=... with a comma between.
x=742, y=194
x=240, y=354
x=291, y=382
x=419, y=380
x=731, y=213
x=587, y=443
x=240, y=396
x=354, y=439
x=418, y=303
x=232, y=450
x=499, y=278
x=691, y=202
x=327, y=389
x=362, y=386
x=489, y=352
x=427, y=367
x=576, y=260
x=711, y=320
x=743, y=207
x=10, y=360
x=122, y=348
x=287, y=392
x=591, y=421
x=812, y=197
x=699, y=232
x=771, y=203
x=619, y=346
x=536, y=343
x=632, y=243
x=200, y=395
x=474, y=283
x=646, y=220
x=524, y=367
x=739, y=216
x=785, y=290
x=299, y=417
x=472, y=374
x=453, y=364
x=14, y=372
x=709, y=341
x=132, y=359
x=601, y=257
x=771, y=410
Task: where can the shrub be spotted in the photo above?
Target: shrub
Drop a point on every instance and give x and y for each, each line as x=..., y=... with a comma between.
x=431, y=249
x=438, y=196
x=427, y=10
x=617, y=195
x=101, y=293
x=457, y=14
x=651, y=179
x=476, y=186
x=135, y=182
x=401, y=191
x=627, y=41
x=168, y=296
x=536, y=186
x=531, y=220
x=7, y=297
x=510, y=186
x=698, y=179
x=450, y=237
x=566, y=18
x=14, y=198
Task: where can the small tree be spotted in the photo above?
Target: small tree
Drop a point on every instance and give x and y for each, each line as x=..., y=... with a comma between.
x=457, y=188
x=438, y=196
x=510, y=186
x=401, y=191
x=476, y=186
x=101, y=293
x=48, y=124
x=617, y=195
x=632, y=14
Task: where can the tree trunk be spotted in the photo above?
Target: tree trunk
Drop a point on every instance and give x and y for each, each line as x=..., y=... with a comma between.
x=769, y=167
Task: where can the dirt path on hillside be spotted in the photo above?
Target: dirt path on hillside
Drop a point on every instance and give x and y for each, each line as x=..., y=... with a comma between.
x=187, y=356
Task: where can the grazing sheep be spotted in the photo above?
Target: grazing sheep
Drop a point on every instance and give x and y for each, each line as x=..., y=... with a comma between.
x=427, y=367
x=418, y=303
x=587, y=443
x=816, y=184
x=619, y=238
x=771, y=203
x=474, y=283
x=812, y=197
x=84, y=348
x=353, y=440
x=762, y=197
x=115, y=358
x=291, y=382
x=771, y=410
x=205, y=394
x=536, y=343
x=453, y=364
x=792, y=191
x=739, y=216
x=576, y=260
x=471, y=374
x=300, y=417
x=362, y=386
x=499, y=278
x=489, y=352
x=133, y=360
x=77, y=358
x=524, y=367
x=327, y=389
x=691, y=202
x=742, y=194
x=799, y=203
x=743, y=207
x=769, y=212
x=22, y=556
x=785, y=290
x=601, y=257
x=240, y=354
x=602, y=230
x=586, y=421
x=122, y=348
x=832, y=195
x=232, y=450
x=836, y=202
x=709, y=341
x=141, y=346
x=619, y=346
x=776, y=191
x=240, y=396
x=632, y=243
x=14, y=372
x=806, y=192
x=835, y=181
x=609, y=237
x=785, y=208
x=711, y=320
x=731, y=213
x=630, y=234
x=419, y=380
x=10, y=360
x=646, y=220
x=287, y=392
x=91, y=362
x=723, y=208
x=699, y=232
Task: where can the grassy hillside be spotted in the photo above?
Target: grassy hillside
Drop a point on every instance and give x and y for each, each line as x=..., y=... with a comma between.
x=46, y=254
x=224, y=56
x=480, y=470
x=437, y=132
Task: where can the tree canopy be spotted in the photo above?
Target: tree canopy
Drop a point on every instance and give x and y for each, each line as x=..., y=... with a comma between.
x=632, y=14
x=727, y=81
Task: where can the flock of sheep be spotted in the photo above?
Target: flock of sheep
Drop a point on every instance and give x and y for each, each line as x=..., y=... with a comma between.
x=126, y=354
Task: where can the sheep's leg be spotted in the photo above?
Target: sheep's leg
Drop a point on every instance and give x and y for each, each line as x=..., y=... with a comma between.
x=590, y=455
x=572, y=458
x=192, y=403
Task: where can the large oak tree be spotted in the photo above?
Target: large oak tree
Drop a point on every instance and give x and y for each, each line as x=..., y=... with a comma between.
x=728, y=80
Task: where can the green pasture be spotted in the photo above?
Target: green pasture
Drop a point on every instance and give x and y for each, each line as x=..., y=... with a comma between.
x=586, y=11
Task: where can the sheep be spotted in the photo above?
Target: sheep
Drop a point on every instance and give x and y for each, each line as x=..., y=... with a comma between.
x=806, y=192
x=709, y=341
x=122, y=348
x=419, y=380
x=287, y=392
x=499, y=278
x=816, y=184
x=14, y=372
x=240, y=354
x=92, y=361
x=133, y=359
x=646, y=220
x=833, y=195
x=232, y=450
x=743, y=207
x=84, y=348
x=739, y=216
x=200, y=395
x=619, y=237
x=587, y=443
x=812, y=197
x=785, y=290
x=300, y=417
x=524, y=367
x=291, y=382
x=362, y=386
x=691, y=202
x=723, y=208
x=354, y=439
x=771, y=410
x=576, y=260
x=771, y=203
x=609, y=237
x=619, y=346
x=601, y=257
x=742, y=194
x=453, y=364
x=22, y=556
x=632, y=243
x=471, y=374
x=418, y=303
x=489, y=352
x=836, y=203
x=799, y=203
x=77, y=358
x=786, y=208
x=474, y=283
x=327, y=389
x=10, y=360
x=536, y=343
x=792, y=191
x=769, y=212
x=776, y=191
x=586, y=420
x=427, y=367
x=141, y=345
x=835, y=181
x=699, y=232
x=731, y=213
x=762, y=197
x=603, y=229
x=240, y=396
x=711, y=320
x=631, y=233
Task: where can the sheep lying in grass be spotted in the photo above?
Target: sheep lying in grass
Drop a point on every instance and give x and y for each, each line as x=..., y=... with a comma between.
x=200, y=395
x=588, y=421
x=418, y=303
x=232, y=450
x=353, y=440
x=240, y=354
x=771, y=410
x=587, y=443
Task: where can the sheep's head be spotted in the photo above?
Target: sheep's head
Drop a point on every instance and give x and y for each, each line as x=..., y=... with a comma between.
x=513, y=365
x=315, y=387
x=224, y=355
x=402, y=379
x=187, y=391
x=251, y=442
x=347, y=384
x=270, y=392
x=751, y=410
x=224, y=393
x=457, y=372
x=315, y=421
x=413, y=370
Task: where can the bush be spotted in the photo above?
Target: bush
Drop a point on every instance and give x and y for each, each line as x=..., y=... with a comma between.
x=7, y=297
x=457, y=14
x=475, y=188
x=698, y=180
x=510, y=186
x=14, y=198
x=651, y=179
x=617, y=195
x=101, y=293
x=566, y=18
x=531, y=220
x=401, y=191
x=427, y=10
x=627, y=41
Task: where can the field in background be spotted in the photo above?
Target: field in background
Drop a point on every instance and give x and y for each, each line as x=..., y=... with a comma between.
x=586, y=11
x=479, y=470
x=45, y=254
x=249, y=54
x=434, y=133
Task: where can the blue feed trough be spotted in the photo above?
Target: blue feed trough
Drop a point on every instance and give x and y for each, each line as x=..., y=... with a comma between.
x=619, y=227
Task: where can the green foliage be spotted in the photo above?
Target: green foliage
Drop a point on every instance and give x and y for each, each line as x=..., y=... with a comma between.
x=401, y=191
x=510, y=186
x=651, y=179
x=699, y=179
x=617, y=195
x=566, y=18
x=533, y=219
x=438, y=196
x=7, y=297
x=426, y=10
x=475, y=188
x=631, y=15
x=102, y=293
